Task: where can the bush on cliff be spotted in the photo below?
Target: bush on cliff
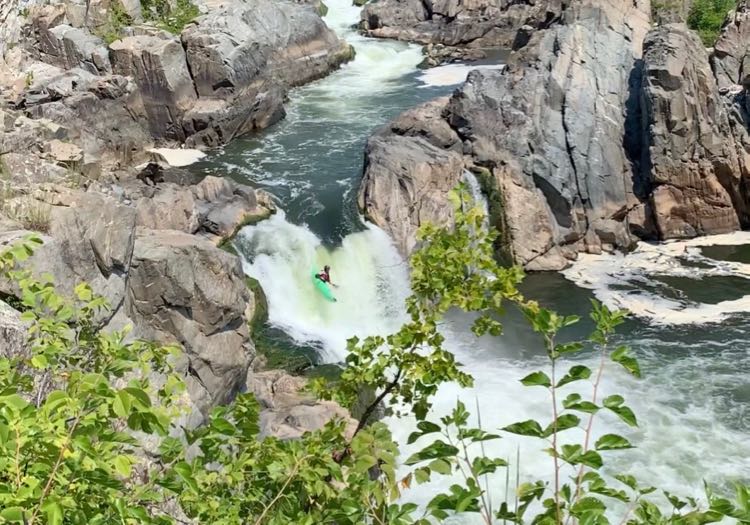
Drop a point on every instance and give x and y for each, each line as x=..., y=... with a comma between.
x=90, y=434
x=707, y=16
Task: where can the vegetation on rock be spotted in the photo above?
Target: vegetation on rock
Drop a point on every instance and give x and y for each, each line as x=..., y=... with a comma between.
x=707, y=16
x=172, y=17
x=90, y=430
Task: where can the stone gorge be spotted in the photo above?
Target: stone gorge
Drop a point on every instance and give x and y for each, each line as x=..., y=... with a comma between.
x=602, y=129
x=78, y=117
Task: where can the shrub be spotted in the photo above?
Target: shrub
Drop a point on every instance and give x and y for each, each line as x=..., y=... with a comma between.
x=707, y=16
x=168, y=17
x=77, y=409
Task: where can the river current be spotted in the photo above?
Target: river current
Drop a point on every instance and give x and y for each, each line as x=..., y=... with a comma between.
x=691, y=299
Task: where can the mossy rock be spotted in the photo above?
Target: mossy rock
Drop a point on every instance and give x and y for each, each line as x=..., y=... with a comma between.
x=491, y=190
x=322, y=9
x=359, y=3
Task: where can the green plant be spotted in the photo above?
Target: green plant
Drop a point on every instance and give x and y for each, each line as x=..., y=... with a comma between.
x=172, y=18
x=32, y=214
x=118, y=19
x=707, y=16
x=89, y=433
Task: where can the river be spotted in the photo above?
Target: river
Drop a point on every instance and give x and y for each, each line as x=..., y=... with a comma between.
x=692, y=298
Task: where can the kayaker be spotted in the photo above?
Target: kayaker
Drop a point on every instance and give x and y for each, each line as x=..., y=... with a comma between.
x=325, y=275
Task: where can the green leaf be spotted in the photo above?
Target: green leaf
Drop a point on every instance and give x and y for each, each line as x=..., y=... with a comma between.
x=615, y=403
x=123, y=466
x=53, y=512
x=39, y=361
x=482, y=465
x=441, y=466
x=563, y=422
x=573, y=402
x=121, y=404
x=627, y=480
x=13, y=514
x=139, y=396
x=425, y=427
x=576, y=373
x=612, y=442
x=537, y=379
x=525, y=428
x=629, y=363
x=435, y=450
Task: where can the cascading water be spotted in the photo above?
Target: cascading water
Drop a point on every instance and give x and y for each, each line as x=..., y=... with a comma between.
x=693, y=403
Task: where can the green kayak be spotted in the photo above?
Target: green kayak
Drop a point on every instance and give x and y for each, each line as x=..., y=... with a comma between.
x=322, y=287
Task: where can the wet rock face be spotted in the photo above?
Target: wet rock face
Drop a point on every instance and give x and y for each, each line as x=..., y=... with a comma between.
x=551, y=128
x=692, y=162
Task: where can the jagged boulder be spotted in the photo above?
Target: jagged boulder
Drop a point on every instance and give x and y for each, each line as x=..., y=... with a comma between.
x=160, y=71
x=407, y=176
x=244, y=56
x=90, y=239
x=553, y=129
x=694, y=172
x=215, y=207
x=730, y=59
x=287, y=412
x=480, y=23
x=13, y=333
x=184, y=289
x=70, y=47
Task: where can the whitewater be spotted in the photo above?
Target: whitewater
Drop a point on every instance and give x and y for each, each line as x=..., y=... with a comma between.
x=691, y=404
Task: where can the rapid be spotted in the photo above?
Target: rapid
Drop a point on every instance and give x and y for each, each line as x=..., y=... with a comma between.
x=692, y=299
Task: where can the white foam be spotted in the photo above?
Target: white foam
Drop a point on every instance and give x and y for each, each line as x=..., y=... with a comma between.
x=372, y=283
x=680, y=441
x=452, y=74
x=608, y=274
x=178, y=157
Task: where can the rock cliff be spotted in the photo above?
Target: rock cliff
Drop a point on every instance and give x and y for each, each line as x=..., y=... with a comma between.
x=478, y=23
x=224, y=75
x=600, y=130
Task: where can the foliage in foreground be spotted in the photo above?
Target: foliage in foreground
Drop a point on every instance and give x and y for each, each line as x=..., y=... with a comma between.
x=90, y=422
x=707, y=16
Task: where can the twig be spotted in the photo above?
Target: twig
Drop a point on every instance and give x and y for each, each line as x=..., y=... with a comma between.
x=372, y=406
x=551, y=346
x=587, y=438
x=281, y=491
x=51, y=478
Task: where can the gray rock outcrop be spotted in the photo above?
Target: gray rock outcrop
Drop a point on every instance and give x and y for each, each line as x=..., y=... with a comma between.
x=599, y=131
x=730, y=59
x=287, y=411
x=185, y=290
x=407, y=176
x=214, y=208
x=482, y=23
x=694, y=176
x=159, y=69
x=225, y=75
x=550, y=128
